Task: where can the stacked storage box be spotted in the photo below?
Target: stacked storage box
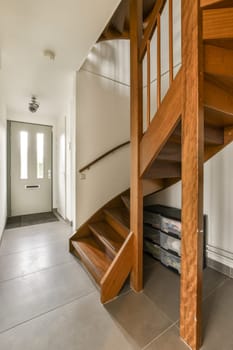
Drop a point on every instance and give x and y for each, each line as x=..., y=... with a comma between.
x=162, y=235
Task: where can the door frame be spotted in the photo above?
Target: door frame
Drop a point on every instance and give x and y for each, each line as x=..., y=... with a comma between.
x=9, y=122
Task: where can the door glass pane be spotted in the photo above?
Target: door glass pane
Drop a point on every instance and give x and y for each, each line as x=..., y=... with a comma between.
x=40, y=155
x=23, y=155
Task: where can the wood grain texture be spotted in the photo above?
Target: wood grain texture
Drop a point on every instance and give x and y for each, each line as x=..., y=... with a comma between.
x=205, y=3
x=116, y=220
x=217, y=118
x=210, y=151
x=170, y=42
x=93, y=257
x=108, y=236
x=218, y=61
x=158, y=61
x=117, y=273
x=162, y=125
x=126, y=200
x=192, y=175
x=136, y=87
x=148, y=83
x=151, y=186
x=84, y=230
x=149, y=31
x=218, y=23
x=163, y=169
x=218, y=98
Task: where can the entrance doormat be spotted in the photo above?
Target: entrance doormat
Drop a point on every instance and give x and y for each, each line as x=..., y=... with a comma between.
x=31, y=219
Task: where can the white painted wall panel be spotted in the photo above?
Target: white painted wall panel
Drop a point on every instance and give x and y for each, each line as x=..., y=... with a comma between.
x=3, y=162
x=103, y=118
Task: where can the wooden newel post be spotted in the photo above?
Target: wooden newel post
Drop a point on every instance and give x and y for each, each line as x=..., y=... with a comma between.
x=136, y=198
x=192, y=175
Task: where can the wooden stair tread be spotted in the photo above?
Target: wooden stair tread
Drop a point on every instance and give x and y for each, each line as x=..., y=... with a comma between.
x=126, y=200
x=107, y=235
x=93, y=256
x=119, y=214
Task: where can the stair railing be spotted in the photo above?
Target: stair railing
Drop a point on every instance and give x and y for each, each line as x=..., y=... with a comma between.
x=154, y=23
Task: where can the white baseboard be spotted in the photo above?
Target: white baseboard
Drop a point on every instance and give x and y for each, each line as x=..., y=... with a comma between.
x=2, y=229
x=220, y=255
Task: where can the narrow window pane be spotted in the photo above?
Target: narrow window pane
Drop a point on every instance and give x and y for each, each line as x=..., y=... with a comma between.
x=40, y=155
x=23, y=155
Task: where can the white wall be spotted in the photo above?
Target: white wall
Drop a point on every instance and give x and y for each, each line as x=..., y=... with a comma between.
x=3, y=162
x=102, y=123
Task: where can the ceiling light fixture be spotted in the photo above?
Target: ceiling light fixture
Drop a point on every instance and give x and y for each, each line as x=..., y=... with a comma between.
x=50, y=54
x=33, y=105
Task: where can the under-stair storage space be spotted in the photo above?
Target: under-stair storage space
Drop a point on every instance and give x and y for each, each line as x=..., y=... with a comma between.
x=171, y=226
x=151, y=234
x=170, y=260
x=170, y=243
x=152, y=249
x=162, y=235
x=152, y=219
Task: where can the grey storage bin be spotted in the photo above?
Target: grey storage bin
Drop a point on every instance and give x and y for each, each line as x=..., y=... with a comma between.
x=151, y=234
x=170, y=243
x=152, y=249
x=151, y=218
x=170, y=260
x=171, y=226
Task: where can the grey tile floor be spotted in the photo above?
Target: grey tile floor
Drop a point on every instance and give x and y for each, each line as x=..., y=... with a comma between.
x=48, y=302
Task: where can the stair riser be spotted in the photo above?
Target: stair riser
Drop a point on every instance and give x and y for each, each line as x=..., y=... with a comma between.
x=117, y=226
x=108, y=250
x=88, y=267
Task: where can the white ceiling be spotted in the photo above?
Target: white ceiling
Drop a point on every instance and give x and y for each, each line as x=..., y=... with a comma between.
x=27, y=28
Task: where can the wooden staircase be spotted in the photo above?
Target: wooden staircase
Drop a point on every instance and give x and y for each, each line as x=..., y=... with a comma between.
x=103, y=243
x=193, y=122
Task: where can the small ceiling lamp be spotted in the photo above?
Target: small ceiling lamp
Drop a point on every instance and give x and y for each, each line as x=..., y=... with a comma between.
x=33, y=105
x=50, y=54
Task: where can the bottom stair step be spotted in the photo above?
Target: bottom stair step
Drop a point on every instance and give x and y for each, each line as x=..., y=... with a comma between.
x=107, y=235
x=93, y=256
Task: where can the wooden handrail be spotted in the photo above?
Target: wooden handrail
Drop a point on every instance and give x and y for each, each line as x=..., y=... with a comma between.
x=103, y=156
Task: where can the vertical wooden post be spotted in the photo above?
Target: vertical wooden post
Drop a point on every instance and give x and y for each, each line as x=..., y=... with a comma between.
x=148, y=83
x=158, y=60
x=170, y=41
x=136, y=199
x=192, y=174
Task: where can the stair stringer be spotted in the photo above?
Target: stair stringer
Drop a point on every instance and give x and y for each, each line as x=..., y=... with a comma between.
x=118, y=271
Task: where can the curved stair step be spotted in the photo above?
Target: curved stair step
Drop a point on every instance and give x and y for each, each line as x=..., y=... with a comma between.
x=93, y=256
x=108, y=236
x=126, y=200
x=119, y=219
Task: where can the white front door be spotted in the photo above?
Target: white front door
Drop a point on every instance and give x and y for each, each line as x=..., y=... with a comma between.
x=30, y=168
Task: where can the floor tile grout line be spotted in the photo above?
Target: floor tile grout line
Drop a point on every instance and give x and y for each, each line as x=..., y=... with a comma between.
x=215, y=289
x=31, y=273
x=167, y=317
x=39, y=247
x=160, y=335
x=47, y=312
